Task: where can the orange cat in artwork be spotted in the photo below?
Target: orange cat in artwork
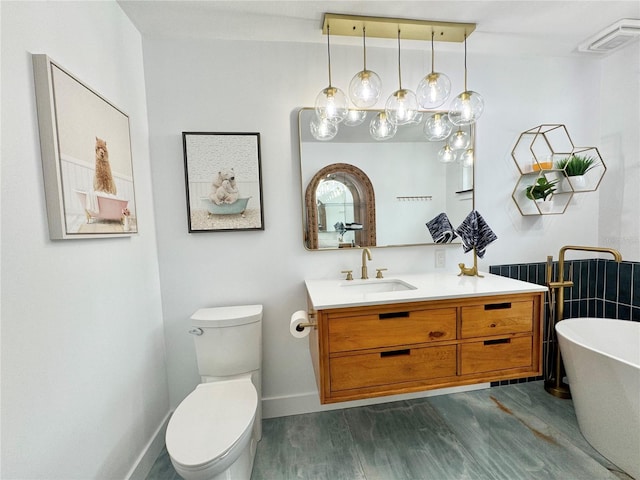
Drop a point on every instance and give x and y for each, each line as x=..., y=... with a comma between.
x=103, y=179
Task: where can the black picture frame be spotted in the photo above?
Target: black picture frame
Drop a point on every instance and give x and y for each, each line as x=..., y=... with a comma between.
x=223, y=181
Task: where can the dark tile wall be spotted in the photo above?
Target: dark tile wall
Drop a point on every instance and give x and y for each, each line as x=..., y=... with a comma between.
x=602, y=288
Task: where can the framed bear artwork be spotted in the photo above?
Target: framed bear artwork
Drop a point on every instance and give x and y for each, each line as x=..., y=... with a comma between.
x=86, y=157
x=223, y=181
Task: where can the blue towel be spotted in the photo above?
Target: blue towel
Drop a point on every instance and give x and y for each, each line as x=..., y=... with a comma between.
x=475, y=233
x=441, y=229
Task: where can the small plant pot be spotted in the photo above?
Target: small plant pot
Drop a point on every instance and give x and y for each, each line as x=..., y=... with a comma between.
x=578, y=182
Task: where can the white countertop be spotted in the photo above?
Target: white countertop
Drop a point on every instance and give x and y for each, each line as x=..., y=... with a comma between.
x=429, y=286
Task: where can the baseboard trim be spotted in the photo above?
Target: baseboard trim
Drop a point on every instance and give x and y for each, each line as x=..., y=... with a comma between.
x=150, y=453
x=309, y=402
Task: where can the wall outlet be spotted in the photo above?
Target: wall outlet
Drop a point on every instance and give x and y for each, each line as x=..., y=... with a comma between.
x=441, y=258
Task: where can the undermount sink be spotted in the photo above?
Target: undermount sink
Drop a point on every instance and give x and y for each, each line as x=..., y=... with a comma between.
x=376, y=286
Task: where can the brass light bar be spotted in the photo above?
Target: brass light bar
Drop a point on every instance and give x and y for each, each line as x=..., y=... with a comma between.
x=382, y=27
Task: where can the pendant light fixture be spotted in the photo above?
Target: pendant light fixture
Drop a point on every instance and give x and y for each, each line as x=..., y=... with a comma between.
x=459, y=140
x=467, y=107
x=381, y=128
x=467, y=158
x=322, y=129
x=365, y=86
x=437, y=127
x=446, y=155
x=355, y=117
x=402, y=105
x=433, y=90
x=331, y=102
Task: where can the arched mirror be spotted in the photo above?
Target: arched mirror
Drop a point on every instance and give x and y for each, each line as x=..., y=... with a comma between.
x=398, y=184
x=340, y=208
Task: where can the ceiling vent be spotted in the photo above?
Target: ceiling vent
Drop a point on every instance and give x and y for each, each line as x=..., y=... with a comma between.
x=613, y=37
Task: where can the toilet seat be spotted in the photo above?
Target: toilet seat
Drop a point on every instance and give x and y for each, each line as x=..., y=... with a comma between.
x=213, y=422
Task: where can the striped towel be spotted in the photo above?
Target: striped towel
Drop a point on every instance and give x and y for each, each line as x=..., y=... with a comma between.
x=441, y=229
x=475, y=233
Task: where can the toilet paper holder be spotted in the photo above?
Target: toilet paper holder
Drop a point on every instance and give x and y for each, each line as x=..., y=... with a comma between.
x=311, y=323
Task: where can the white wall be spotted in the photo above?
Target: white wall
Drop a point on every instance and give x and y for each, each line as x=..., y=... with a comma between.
x=620, y=146
x=225, y=86
x=84, y=384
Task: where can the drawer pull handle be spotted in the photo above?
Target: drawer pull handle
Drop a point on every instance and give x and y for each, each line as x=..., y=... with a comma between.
x=384, y=316
x=395, y=353
x=436, y=334
x=498, y=341
x=498, y=306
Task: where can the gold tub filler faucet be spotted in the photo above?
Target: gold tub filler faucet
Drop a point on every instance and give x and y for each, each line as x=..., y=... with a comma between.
x=554, y=384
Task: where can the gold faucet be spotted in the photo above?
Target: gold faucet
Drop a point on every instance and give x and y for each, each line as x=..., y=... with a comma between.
x=569, y=282
x=555, y=386
x=366, y=253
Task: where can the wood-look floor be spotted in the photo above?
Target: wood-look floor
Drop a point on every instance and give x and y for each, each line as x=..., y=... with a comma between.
x=502, y=433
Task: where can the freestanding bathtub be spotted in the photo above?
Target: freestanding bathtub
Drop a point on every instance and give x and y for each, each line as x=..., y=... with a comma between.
x=602, y=360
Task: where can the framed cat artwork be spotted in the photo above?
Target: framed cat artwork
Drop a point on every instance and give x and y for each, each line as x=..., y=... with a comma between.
x=86, y=157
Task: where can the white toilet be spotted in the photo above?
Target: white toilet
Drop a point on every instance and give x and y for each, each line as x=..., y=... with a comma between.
x=213, y=433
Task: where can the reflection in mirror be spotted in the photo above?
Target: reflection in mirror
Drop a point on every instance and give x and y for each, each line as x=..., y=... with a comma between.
x=358, y=191
x=340, y=208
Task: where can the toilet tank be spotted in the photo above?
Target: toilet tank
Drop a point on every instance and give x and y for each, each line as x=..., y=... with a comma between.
x=228, y=340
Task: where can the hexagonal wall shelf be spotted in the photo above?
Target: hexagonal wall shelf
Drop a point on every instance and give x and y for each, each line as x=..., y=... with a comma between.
x=539, y=147
x=583, y=171
x=557, y=201
x=547, y=152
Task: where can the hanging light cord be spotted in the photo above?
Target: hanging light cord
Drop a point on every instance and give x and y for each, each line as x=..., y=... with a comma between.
x=433, y=69
x=364, y=47
x=329, y=52
x=399, y=69
x=465, y=61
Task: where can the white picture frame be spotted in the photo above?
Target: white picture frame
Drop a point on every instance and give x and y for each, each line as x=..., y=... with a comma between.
x=87, y=163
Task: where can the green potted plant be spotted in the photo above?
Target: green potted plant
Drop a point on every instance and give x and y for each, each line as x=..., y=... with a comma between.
x=575, y=167
x=540, y=190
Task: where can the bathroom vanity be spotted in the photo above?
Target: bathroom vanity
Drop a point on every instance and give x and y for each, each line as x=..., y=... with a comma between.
x=417, y=332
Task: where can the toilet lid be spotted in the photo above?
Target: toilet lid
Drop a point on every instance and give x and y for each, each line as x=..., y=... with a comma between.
x=210, y=421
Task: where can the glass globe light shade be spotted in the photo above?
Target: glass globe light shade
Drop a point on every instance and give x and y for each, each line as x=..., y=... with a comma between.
x=381, y=128
x=466, y=108
x=355, y=117
x=437, y=127
x=446, y=155
x=466, y=159
x=417, y=119
x=459, y=140
x=401, y=107
x=332, y=105
x=433, y=90
x=365, y=88
x=322, y=129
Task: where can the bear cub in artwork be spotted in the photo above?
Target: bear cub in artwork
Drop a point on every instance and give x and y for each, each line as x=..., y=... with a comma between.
x=223, y=188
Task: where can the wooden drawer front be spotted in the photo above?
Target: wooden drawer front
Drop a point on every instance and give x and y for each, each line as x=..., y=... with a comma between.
x=389, y=329
x=385, y=368
x=497, y=319
x=498, y=354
